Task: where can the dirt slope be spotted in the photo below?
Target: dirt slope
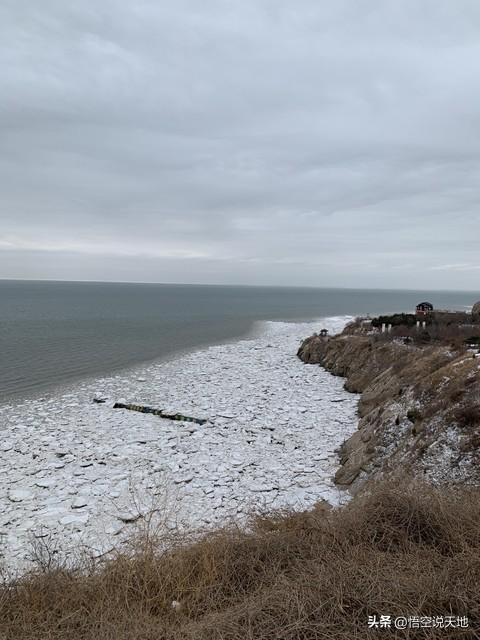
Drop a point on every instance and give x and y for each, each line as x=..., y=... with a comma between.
x=419, y=410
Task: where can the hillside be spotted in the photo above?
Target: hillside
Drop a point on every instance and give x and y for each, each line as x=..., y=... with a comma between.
x=419, y=410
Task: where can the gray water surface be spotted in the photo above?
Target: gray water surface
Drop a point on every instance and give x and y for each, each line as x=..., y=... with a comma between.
x=56, y=332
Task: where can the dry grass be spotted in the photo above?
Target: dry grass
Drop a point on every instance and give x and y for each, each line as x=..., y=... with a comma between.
x=408, y=550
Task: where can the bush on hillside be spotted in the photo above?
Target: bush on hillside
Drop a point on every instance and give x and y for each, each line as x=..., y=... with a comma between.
x=406, y=550
x=397, y=319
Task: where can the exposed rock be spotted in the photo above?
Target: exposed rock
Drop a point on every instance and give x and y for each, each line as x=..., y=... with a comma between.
x=409, y=409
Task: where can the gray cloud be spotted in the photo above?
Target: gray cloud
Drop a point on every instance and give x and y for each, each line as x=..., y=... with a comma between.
x=256, y=142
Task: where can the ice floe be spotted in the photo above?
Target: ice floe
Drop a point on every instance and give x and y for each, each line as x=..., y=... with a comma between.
x=79, y=472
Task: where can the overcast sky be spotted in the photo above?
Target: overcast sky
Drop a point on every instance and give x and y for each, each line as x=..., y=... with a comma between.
x=255, y=141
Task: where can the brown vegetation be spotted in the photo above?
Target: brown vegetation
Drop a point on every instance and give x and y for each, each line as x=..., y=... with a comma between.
x=409, y=550
x=418, y=409
x=455, y=329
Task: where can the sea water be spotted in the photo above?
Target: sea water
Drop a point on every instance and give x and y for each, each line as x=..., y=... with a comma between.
x=56, y=332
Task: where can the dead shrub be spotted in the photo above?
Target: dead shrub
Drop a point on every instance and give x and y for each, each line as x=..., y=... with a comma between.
x=403, y=549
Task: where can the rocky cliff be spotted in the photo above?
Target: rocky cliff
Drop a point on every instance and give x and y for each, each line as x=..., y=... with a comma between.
x=419, y=409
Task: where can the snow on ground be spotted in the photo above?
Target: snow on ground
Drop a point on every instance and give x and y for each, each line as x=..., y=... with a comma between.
x=75, y=472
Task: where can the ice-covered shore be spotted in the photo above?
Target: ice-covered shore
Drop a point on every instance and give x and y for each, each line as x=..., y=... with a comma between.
x=74, y=472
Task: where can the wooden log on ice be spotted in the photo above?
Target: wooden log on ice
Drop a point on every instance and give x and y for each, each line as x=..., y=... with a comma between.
x=158, y=412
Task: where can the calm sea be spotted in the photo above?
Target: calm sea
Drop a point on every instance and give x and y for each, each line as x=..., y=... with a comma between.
x=55, y=332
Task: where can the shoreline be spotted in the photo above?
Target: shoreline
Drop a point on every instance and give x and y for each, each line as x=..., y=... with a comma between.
x=69, y=386
x=54, y=389
x=82, y=473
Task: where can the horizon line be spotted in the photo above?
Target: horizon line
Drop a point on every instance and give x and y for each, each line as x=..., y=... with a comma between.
x=220, y=284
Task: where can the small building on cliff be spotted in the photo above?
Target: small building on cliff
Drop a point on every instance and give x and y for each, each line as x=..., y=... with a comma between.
x=424, y=309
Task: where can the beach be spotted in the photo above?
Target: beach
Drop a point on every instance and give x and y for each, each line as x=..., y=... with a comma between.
x=80, y=474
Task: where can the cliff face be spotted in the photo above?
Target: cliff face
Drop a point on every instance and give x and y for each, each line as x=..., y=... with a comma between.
x=419, y=409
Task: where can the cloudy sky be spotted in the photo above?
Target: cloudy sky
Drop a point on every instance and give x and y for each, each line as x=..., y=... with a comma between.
x=254, y=141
